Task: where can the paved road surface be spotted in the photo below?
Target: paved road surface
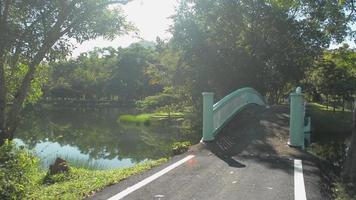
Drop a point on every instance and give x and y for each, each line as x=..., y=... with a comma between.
x=248, y=161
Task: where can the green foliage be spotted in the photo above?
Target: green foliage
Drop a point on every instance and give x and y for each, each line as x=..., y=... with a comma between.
x=82, y=182
x=21, y=178
x=154, y=102
x=147, y=118
x=333, y=152
x=138, y=119
x=333, y=77
x=108, y=73
x=170, y=100
x=267, y=45
x=14, y=77
x=129, y=80
x=341, y=192
x=33, y=31
x=180, y=147
x=17, y=169
x=328, y=125
x=57, y=178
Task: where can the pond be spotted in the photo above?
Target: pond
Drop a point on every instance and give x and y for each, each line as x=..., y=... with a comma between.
x=94, y=138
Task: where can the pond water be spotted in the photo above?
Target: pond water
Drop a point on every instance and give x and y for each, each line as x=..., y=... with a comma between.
x=94, y=137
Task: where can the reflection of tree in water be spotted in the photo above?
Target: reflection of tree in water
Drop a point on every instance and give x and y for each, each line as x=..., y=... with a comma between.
x=97, y=134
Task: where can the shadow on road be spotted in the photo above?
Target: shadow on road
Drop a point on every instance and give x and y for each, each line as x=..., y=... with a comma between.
x=256, y=133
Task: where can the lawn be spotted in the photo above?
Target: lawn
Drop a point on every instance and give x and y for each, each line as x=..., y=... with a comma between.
x=328, y=125
x=147, y=118
x=79, y=182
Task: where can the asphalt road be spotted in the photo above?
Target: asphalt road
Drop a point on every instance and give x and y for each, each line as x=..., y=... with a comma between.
x=248, y=161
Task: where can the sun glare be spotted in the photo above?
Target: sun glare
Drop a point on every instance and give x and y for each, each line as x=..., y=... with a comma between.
x=151, y=17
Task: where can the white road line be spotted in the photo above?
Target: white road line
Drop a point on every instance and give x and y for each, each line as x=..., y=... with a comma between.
x=299, y=188
x=146, y=181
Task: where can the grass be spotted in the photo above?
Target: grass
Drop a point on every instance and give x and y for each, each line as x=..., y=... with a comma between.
x=142, y=118
x=329, y=125
x=340, y=192
x=330, y=129
x=147, y=118
x=180, y=147
x=79, y=182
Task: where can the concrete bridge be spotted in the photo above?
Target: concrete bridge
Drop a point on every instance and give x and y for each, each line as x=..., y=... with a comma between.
x=244, y=156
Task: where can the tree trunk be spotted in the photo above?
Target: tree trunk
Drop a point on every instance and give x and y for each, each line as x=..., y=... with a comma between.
x=350, y=164
x=12, y=117
x=4, y=41
x=3, y=135
x=14, y=112
x=327, y=102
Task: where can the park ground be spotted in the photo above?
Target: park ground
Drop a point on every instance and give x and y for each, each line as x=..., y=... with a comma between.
x=250, y=154
x=250, y=159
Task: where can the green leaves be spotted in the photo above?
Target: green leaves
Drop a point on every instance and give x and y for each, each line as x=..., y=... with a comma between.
x=266, y=44
x=334, y=75
x=17, y=169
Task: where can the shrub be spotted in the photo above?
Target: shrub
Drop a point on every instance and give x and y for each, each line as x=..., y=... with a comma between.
x=180, y=147
x=138, y=119
x=17, y=171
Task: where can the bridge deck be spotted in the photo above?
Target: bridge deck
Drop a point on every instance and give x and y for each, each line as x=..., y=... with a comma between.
x=249, y=160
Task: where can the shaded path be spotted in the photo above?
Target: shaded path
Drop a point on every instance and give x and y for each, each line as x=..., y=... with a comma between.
x=249, y=160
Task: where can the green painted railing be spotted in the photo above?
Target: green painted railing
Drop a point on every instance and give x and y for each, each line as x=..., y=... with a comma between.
x=215, y=116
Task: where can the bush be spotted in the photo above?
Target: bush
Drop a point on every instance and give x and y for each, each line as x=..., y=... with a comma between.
x=180, y=147
x=17, y=171
x=138, y=119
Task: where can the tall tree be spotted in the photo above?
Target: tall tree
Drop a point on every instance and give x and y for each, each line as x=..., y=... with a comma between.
x=350, y=164
x=34, y=30
x=267, y=44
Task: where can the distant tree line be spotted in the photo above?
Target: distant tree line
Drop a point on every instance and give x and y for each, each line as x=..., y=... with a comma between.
x=332, y=78
x=104, y=74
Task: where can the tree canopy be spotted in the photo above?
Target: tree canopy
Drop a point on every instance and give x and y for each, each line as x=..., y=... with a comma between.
x=35, y=30
x=264, y=44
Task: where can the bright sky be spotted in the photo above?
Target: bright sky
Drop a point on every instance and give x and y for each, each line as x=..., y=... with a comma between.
x=151, y=17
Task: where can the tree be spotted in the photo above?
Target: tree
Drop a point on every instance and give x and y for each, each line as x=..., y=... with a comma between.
x=34, y=30
x=129, y=80
x=350, y=164
x=334, y=76
x=266, y=44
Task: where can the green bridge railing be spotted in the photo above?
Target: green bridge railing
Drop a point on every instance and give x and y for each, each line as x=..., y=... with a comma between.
x=215, y=116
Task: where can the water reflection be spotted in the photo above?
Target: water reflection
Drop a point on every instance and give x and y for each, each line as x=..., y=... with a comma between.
x=95, y=135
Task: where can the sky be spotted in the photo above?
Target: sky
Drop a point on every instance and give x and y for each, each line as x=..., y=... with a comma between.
x=151, y=17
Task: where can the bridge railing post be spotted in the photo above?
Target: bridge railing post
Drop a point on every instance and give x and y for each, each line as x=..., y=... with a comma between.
x=296, y=132
x=208, y=102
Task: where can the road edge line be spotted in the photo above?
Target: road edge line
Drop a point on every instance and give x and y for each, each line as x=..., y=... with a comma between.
x=147, y=180
x=299, y=187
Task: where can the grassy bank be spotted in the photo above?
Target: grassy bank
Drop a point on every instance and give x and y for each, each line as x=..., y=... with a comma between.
x=80, y=182
x=147, y=118
x=330, y=130
x=328, y=125
x=22, y=177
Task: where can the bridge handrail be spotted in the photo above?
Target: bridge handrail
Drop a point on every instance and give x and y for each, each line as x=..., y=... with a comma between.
x=215, y=116
x=233, y=94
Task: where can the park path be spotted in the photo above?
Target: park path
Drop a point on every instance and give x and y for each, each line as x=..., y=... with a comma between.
x=249, y=160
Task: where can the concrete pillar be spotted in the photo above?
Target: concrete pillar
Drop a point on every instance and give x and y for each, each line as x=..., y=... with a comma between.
x=296, y=130
x=208, y=102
